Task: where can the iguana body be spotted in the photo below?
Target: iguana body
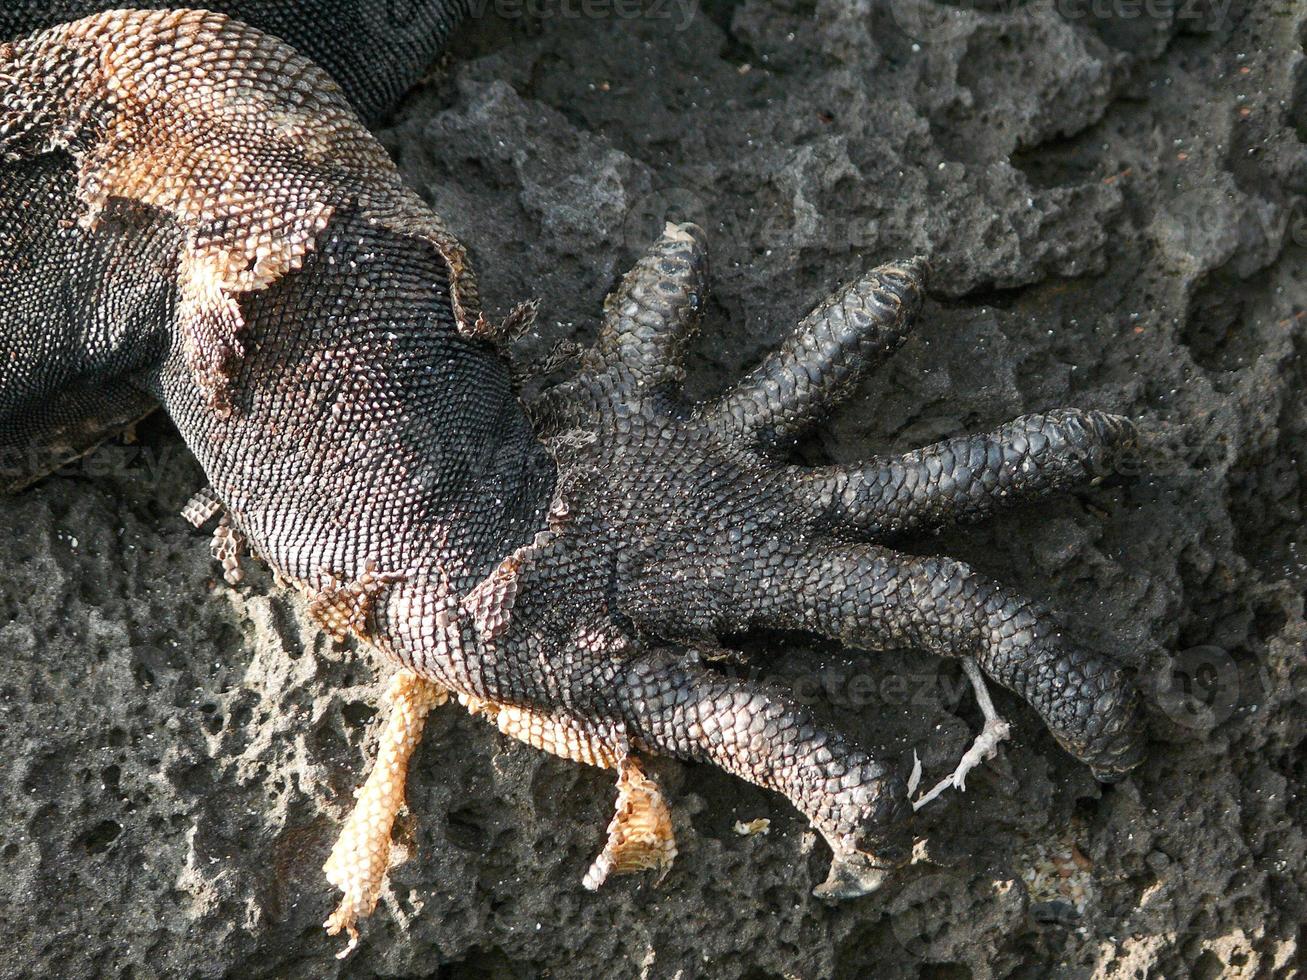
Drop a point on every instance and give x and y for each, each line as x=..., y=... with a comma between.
x=190, y=212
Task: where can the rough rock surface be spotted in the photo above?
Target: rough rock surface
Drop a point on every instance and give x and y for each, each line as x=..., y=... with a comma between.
x=1112, y=195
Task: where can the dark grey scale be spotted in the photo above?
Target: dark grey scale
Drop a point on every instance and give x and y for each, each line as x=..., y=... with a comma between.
x=88, y=314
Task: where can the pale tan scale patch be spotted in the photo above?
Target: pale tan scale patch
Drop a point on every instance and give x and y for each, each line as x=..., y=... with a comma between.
x=640, y=836
x=250, y=158
x=490, y=602
x=344, y=609
x=226, y=547
x=358, y=863
x=556, y=733
x=214, y=323
x=203, y=507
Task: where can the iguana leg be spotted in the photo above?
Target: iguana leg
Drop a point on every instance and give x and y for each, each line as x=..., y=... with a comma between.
x=358, y=863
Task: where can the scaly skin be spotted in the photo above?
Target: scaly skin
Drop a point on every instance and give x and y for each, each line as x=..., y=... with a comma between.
x=375, y=49
x=191, y=213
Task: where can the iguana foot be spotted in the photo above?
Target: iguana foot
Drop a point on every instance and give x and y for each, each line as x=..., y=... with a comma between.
x=686, y=524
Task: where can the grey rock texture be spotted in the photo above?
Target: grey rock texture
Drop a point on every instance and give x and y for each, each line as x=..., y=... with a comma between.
x=1113, y=199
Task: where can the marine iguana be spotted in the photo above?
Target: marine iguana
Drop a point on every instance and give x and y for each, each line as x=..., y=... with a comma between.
x=193, y=215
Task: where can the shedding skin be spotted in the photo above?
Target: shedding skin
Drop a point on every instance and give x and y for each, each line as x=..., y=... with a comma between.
x=640, y=836
x=558, y=566
x=358, y=863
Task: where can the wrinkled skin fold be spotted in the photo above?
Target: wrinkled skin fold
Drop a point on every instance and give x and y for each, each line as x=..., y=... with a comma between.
x=560, y=565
